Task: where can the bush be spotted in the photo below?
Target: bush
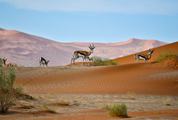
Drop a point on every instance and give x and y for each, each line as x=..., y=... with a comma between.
x=167, y=56
x=117, y=110
x=97, y=61
x=7, y=92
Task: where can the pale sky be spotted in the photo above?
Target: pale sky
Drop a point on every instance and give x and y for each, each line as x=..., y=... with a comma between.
x=92, y=20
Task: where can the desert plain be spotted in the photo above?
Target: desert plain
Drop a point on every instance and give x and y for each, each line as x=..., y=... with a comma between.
x=77, y=92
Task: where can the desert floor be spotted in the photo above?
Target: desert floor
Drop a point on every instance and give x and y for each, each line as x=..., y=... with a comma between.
x=150, y=90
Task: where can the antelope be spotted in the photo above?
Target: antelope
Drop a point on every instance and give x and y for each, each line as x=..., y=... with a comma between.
x=43, y=61
x=4, y=60
x=7, y=64
x=82, y=53
x=144, y=57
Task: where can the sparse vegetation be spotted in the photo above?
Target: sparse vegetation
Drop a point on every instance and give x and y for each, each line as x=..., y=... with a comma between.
x=167, y=101
x=62, y=103
x=117, y=110
x=48, y=110
x=131, y=95
x=7, y=92
x=98, y=61
x=167, y=56
x=21, y=95
x=26, y=107
x=19, y=90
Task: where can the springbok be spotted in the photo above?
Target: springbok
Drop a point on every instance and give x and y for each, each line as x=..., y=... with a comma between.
x=144, y=57
x=7, y=64
x=43, y=61
x=82, y=53
x=3, y=60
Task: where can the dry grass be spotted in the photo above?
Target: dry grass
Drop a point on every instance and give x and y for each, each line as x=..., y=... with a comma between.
x=167, y=101
x=61, y=103
x=117, y=110
x=167, y=56
x=131, y=95
x=97, y=61
x=47, y=109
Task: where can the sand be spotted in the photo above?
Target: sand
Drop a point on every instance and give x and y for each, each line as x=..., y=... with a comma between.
x=148, y=89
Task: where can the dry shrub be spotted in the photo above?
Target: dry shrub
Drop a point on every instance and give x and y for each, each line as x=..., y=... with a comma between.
x=117, y=110
x=98, y=61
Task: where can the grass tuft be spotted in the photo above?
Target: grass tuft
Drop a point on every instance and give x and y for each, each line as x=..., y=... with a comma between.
x=98, y=61
x=117, y=110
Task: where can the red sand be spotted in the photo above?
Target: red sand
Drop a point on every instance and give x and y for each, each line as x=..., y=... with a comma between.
x=137, y=78
x=170, y=48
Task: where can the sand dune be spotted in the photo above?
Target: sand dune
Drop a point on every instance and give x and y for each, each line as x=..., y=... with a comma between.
x=151, y=83
x=141, y=78
x=170, y=48
x=90, y=86
x=137, y=78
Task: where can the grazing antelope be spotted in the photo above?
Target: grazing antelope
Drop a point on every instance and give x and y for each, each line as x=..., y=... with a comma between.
x=43, y=61
x=82, y=53
x=144, y=57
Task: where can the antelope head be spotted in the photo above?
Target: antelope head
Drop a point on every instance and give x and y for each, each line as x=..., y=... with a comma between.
x=91, y=47
x=150, y=52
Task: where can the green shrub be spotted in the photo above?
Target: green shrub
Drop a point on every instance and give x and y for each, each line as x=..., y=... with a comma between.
x=166, y=56
x=7, y=92
x=117, y=110
x=97, y=61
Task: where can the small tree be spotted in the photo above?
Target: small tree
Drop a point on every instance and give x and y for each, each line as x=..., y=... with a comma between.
x=7, y=92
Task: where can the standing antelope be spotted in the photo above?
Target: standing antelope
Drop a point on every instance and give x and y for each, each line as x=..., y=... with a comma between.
x=144, y=57
x=43, y=61
x=82, y=53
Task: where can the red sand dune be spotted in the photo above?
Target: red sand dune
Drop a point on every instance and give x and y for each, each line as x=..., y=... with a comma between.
x=141, y=78
x=169, y=48
x=137, y=78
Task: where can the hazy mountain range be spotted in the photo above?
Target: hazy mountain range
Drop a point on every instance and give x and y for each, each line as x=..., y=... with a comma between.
x=25, y=49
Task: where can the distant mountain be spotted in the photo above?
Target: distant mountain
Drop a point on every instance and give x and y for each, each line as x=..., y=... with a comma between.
x=25, y=49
